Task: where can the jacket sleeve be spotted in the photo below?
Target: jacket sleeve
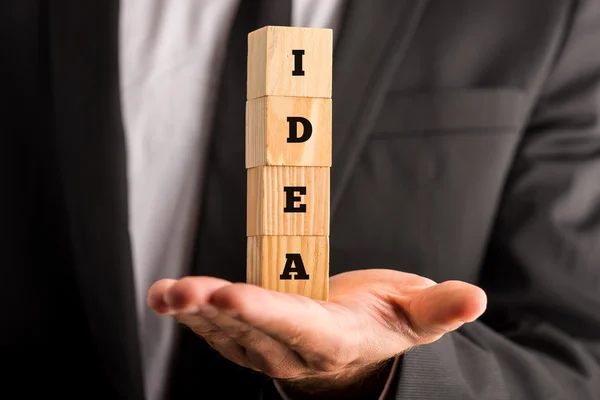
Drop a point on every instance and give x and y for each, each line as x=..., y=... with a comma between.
x=540, y=337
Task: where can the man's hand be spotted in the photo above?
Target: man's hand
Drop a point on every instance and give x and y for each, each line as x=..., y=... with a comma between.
x=371, y=316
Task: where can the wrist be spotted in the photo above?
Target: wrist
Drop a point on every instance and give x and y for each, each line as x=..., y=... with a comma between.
x=367, y=382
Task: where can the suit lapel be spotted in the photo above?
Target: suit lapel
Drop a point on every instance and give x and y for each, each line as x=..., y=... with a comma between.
x=84, y=57
x=372, y=44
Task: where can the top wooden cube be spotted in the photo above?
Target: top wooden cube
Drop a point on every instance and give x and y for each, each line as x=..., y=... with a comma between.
x=290, y=61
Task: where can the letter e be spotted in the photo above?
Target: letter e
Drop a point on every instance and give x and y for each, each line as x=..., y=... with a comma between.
x=291, y=198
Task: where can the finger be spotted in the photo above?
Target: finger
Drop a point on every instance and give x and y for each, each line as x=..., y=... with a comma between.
x=182, y=299
x=169, y=296
x=277, y=314
x=186, y=297
x=301, y=324
x=263, y=352
x=215, y=337
x=445, y=307
x=187, y=300
x=155, y=298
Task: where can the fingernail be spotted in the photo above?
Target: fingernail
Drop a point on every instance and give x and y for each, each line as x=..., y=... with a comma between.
x=163, y=307
x=175, y=301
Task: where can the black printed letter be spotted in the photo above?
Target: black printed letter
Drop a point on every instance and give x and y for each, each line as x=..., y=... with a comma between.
x=293, y=123
x=298, y=63
x=291, y=198
x=293, y=263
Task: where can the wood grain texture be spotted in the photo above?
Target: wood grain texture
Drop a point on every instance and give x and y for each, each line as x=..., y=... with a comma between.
x=289, y=79
x=267, y=132
x=271, y=62
x=266, y=259
x=266, y=200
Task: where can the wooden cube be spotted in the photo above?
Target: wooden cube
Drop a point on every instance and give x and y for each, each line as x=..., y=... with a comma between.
x=288, y=159
x=290, y=61
x=289, y=201
x=294, y=131
x=290, y=264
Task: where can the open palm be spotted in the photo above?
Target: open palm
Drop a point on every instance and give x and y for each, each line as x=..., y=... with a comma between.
x=372, y=315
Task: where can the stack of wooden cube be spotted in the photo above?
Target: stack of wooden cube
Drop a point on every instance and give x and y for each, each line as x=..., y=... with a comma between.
x=288, y=159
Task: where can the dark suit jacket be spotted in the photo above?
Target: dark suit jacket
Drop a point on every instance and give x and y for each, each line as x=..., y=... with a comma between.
x=466, y=146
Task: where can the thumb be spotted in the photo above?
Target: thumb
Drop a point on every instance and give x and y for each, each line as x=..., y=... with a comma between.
x=444, y=307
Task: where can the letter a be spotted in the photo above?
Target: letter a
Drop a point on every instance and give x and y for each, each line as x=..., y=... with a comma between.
x=294, y=263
